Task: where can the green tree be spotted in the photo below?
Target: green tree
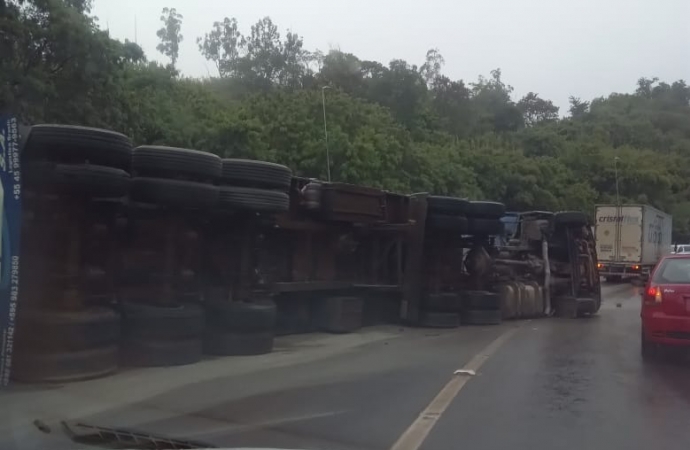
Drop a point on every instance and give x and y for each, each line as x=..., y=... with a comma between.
x=578, y=108
x=170, y=34
x=536, y=110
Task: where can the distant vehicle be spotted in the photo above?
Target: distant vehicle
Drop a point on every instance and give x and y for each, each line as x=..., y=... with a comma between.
x=631, y=239
x=666, y=305
x=681, y=250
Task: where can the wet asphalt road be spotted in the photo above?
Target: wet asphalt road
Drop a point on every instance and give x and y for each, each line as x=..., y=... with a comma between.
x=563, y=384
x=555, y=384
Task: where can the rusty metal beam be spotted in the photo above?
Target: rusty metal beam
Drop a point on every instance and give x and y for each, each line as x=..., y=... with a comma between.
x=412, y=283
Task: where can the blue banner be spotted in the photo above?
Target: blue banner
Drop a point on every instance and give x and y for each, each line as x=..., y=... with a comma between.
x=10, y=228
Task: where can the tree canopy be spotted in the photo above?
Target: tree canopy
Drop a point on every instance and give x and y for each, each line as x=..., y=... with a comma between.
x=395, y=125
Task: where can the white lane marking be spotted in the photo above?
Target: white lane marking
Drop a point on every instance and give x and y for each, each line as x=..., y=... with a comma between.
x=416, y=433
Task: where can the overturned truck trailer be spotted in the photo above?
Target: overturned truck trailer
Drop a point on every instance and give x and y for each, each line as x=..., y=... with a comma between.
x=345, y=256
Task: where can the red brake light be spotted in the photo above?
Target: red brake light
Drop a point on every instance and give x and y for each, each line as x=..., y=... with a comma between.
x=653, y=295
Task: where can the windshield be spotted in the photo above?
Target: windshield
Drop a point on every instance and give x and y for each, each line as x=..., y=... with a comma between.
x=673, y=271
x=511, y=224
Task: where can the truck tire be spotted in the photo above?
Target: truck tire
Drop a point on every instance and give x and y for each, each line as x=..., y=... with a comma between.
x=68, y=331
x=486, y=210
x=177, y=194
x=176, y=163
x=613, y=279
x=485, y=227
x=242, y=317
x=77, y=179
x=63, y=367
x=447, y=222
x=223, y=343
x=482, y=317
x=481, y=300
x=443, y=302
x=259, y=174
x=565, y=307
x=142, y=321
x=447, y=205
x=252, y=199
x=571, y=218
x=77, y=145
x=439, y=320
x=152, y=353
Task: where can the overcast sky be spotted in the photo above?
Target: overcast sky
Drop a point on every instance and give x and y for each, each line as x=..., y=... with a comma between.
x=557, y=48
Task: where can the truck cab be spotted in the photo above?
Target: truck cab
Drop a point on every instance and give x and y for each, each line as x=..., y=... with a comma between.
x=556, y=251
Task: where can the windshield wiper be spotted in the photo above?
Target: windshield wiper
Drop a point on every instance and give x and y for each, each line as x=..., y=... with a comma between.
x=119, y=438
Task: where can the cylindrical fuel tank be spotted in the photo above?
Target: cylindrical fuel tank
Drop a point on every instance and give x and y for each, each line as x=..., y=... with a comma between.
x=509, y=293
x=539, y=298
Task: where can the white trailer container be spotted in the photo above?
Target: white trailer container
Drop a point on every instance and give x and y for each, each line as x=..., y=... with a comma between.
x=631, y=239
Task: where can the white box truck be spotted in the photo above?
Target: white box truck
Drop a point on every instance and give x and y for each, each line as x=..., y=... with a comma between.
x=630, y=240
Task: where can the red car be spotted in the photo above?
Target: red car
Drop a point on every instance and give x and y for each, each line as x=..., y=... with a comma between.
x=666, y=305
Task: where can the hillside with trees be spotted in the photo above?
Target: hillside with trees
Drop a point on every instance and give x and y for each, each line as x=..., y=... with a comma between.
x=396, y=125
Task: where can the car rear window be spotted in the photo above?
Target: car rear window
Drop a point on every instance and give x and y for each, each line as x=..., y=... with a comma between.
x=673, y=271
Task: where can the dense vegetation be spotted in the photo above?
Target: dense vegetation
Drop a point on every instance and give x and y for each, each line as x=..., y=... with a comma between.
x=398, y=126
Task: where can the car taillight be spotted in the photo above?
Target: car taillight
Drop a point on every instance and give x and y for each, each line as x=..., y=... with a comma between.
x=653, y=295
x=599, y=265
x=636, y=267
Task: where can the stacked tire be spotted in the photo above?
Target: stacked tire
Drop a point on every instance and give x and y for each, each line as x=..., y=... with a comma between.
x=162, y=335
x=248, y=189
x=446, y=217
x=68, y=171
x=172, y=189
x=481, y=308
x=239, y=328
x=447, y=214
x=254, y=186
x=484, y=218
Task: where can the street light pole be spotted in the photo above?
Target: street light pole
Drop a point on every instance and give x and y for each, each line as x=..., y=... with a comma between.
x=615, y=169
x=619, y=211
x=325, y=132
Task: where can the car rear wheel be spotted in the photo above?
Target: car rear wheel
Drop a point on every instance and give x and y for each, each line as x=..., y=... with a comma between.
x=649, y=350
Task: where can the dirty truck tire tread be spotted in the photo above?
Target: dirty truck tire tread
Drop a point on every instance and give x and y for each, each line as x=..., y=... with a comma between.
x=63, y=367
x=447, y=205
x=445, y=222
x=485, y=227
x=173, y=162
x=80, y=179
x=439, y=320
x=486, y=210
x=251, y=173
x=481, y=300
x=443, y=302
x=252, y=199
x=66, y=331
x=174, y=193
x=74, y=144
x=141, y=321
x=482, y=317
x=153, y=353
x=222, y=343
x=242, y=317
x=572, y=218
